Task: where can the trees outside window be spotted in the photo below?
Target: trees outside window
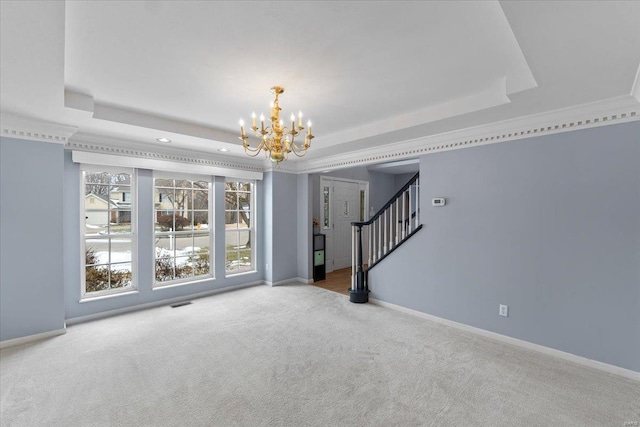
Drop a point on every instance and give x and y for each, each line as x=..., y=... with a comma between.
x=182, y=229
x=107, y=232
x=239, y=226
x=183, y=233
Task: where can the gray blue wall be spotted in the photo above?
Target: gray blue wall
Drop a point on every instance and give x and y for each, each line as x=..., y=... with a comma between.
x=401, y=179
x=281, y=225
x=549, y=226
x=305, y=227
x=31, y=256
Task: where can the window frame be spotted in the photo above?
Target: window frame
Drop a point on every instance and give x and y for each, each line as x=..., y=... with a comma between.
x=84, y=295
x=252, y=230
x=160, y=174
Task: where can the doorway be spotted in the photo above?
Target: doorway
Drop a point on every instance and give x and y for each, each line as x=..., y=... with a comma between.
x=342, y=202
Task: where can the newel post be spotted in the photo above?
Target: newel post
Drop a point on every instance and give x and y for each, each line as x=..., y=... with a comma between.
x=359, y=292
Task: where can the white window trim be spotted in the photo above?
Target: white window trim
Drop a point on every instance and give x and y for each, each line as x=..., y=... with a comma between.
x=253, y=230
x=89, y=296
x=211, y=207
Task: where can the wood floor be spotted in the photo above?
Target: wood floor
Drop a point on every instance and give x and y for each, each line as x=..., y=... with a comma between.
x=337, y=281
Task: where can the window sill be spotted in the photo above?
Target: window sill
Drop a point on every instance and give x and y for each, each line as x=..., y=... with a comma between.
x=101, y=297
x=242, y=273
x=157, y=287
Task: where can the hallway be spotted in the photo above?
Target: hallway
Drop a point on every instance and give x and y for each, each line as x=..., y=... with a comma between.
x=337, y=281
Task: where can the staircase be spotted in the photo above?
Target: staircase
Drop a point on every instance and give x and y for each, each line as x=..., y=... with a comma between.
x=390, y=227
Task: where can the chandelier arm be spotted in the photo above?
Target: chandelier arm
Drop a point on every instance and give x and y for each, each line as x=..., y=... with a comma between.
x=251, y=153
x=303, y=151
x=299, y=147
x=248, y=149
x=261, y=132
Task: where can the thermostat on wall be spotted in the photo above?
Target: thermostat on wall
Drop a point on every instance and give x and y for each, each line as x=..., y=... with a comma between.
x=438, y=201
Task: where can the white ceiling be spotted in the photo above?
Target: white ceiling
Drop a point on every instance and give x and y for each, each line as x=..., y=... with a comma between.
x=365, y=73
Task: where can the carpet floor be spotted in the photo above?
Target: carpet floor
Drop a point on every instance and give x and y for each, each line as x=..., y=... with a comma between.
x=296, y=356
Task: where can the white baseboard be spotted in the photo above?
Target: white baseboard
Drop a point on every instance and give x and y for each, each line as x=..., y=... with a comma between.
x=616, y=370
x=31, y=338
x=104, y=314
x=289, y=281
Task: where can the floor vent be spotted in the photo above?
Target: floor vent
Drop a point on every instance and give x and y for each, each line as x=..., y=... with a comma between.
x=180, y=304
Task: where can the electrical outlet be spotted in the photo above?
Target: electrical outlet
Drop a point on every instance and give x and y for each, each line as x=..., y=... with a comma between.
x=266, y=267
x=504, y=310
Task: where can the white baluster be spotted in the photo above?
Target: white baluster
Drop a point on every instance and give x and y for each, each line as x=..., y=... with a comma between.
x=392, y=238
x=398, y=222
x=385, y=233
x=417, y=202
x=369, y=243
x=379, y=220
x=353, y=257
x=390, y=227
x=410, y=209
x=374, y=251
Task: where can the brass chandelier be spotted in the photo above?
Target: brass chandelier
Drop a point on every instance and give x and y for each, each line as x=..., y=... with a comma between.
x=277, y=140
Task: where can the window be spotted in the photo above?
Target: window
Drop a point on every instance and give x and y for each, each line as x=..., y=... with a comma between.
x=182, y=230
x=325, y=207
x=239, y=227
x=107, y=232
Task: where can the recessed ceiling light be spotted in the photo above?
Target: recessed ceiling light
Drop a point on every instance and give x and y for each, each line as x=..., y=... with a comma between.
x=223, y=150
x=327, y=171
x=163, y=140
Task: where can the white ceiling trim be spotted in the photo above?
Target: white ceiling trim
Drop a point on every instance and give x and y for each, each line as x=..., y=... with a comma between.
x=35, y=130
x=394, y=164
x=493, y=96
x=602, y=113
x=635, y=89
x=120, y=146
x=285, y=166
x=129, y=149
x=90, y=158
x=117, y=114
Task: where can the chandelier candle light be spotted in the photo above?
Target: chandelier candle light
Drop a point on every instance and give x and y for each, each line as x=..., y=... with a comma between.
x=277, y=140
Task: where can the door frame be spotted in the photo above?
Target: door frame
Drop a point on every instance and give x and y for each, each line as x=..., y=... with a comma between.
x=328, y=181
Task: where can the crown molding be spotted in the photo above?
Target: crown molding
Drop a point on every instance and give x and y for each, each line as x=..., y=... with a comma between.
x=286, y=166
x=35, y=130
x=635, y=89
x=113, y=146
x=111, y=160
x=601, y=113
x=611, y=111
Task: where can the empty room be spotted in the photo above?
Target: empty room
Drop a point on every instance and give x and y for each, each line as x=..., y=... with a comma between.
x=314, y=213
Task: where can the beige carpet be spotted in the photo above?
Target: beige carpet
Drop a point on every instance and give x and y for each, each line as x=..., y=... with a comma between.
x=296, y=356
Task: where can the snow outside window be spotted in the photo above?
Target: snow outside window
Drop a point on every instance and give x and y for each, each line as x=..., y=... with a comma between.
x=107, y=232
x=182, y=231
x=239, y=226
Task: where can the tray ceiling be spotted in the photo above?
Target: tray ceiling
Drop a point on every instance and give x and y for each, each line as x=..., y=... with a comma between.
x=366, y=73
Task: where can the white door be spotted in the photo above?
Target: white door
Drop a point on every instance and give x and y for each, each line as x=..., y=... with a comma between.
x=346, y=208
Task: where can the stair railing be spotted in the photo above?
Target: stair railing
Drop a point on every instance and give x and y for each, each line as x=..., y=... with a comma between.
x=392, y=225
